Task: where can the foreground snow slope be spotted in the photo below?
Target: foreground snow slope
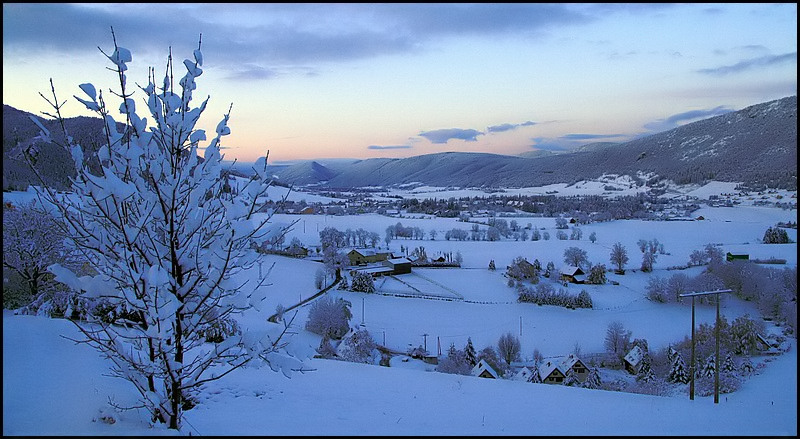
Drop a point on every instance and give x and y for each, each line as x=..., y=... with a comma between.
x=52, y=387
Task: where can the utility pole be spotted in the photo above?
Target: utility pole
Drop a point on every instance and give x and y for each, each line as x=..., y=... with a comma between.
x=716, y=336
x=425, y=341
x=439, y=346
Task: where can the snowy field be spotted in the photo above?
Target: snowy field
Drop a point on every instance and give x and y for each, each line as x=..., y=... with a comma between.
x=52, y=386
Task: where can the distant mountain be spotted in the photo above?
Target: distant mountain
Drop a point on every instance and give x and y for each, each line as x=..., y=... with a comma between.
x=756, y=145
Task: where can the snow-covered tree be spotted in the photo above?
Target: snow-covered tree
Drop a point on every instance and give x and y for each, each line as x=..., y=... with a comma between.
x=359, y=347
x=576, y=234
x=32, y=241
x=728, y=365
x=562, y=223
x=593, y=380
x=709, y=366
x=571, y=380
x=597, y=274
x=319, y=279
x=776, y=235
x=678, y=373
x=619, y=257
x=343, y=284
x=492, y=265
x=469, y=353
x=536, y=235
x=455, y=362
x=550, y=269
x=362, y=282
x=329, y=317
x=166, y=241
x=593, y=237
x=509, y=347
x=648, y=259
x=617, y=339
x=747, y=368
x=575, y=256
x=536, y=376
x=325, y=349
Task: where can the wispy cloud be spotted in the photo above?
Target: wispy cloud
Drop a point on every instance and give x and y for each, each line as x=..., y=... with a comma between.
x=750, y=64
x=508, y=126
x=591, y=136
x=443, y=135
x=569, y=142
x=676, y=119
x=389, y=147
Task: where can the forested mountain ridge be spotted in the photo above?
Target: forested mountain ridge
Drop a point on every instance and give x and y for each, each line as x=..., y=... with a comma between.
x=756, y=145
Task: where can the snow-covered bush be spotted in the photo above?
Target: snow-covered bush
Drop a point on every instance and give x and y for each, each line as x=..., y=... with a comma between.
x=597, y=275
x=776, y=235
x=359, y=347
x=32, y=241
x=329, y=317
x=362, y=282
x=455, y=362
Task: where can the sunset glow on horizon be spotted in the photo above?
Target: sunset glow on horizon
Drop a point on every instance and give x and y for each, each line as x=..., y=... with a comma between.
x=310, y=81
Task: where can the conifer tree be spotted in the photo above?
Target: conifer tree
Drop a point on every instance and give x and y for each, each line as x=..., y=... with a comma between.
x=536, y=376
x=728, y=365
x=592, y=379
x=470, y=354
x=709, y=367
x=678, y=373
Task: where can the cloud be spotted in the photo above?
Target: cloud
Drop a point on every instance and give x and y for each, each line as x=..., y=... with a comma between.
x=675, y=120
x=591, y=136
x=569, y=142
x=443, y=135
x=389, y=147
x=749, y=64
x=251, y=72
x=270, y=34
x=508, y=127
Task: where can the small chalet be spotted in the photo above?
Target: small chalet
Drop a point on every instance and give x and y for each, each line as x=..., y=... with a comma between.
x=525, y=374
x=571, y=273
x=398, y=265
x=633, y=360
x=483, y=370
x=363, y=256
x=555, y=370
x=551, y=373
x=740, y=257
x=297, y=251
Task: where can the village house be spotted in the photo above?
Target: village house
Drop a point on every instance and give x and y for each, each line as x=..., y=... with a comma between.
x=554, y=371
x=573, y=274
x=483, y=370
x=633, y=360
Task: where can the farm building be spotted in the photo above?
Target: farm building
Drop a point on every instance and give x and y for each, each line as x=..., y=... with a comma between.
x=362, y=256
x=398, y=265
x=483, y=370
x=571, y=273
x=737, y=257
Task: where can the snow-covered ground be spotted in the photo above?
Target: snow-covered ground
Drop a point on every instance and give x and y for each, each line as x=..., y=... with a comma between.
x=52, y=386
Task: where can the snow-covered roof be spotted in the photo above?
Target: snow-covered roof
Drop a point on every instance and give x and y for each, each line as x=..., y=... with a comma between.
x=547, y=368
x=563, y=364
x=524, y=374
x=398, y=261
x=481, y=366
x=634, y=356
x=571, y=270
